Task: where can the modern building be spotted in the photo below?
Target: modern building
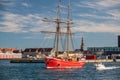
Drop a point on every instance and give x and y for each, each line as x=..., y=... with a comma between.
x=118, y=40
x=103, y=49
x=106, y=51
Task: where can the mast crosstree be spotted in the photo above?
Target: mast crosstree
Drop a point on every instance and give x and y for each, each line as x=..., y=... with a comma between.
x=58, y=29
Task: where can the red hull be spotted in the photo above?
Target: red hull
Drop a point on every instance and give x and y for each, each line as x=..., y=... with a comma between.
x=59, y=63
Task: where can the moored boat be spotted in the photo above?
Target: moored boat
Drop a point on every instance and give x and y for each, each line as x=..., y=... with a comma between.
x=60, y=63
x=64, y=62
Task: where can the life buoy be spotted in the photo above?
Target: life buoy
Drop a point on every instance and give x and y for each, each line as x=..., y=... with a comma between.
x=58, y=65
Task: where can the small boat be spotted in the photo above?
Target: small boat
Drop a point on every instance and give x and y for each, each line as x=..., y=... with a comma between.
x=56, y=62
x=100, y=66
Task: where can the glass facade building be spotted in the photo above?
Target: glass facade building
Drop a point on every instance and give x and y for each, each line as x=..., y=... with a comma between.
x=103, y=49
x=106, y=50
x=119, y=41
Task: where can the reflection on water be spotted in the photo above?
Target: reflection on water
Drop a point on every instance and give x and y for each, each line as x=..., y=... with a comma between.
x=37, y=71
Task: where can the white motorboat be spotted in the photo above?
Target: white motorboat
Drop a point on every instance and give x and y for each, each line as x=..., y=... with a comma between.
x=100, y=66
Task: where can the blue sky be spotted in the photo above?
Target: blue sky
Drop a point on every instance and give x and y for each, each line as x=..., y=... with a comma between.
x=21, y=22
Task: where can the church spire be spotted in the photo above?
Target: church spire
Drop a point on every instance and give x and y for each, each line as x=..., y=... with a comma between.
x=82, y=44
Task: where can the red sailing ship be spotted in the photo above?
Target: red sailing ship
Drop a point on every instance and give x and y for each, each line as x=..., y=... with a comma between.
x=55, y=62
x=60, y=63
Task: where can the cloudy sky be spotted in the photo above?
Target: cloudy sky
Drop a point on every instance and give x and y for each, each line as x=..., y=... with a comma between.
x=21, y=22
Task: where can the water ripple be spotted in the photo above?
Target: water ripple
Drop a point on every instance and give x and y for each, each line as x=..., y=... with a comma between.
x=37, y=71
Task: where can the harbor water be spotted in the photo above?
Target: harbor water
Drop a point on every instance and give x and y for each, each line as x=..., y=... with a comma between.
x=37, y=71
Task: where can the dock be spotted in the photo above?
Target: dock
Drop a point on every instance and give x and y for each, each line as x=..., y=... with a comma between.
x=27, y=60
x=102, y=60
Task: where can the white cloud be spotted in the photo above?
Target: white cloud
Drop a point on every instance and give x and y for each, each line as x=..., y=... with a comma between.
x=96, y=16
x=33, y=23
x=88, y=26
x=10, y=27
x=115, y=14
x=108, y=3
x=25, y=4
x=85, y=4
x=109, y=15
x=99, y=4
x=103, y=15
x=17, y=23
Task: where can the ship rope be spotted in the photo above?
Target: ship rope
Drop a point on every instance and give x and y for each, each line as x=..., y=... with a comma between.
x=72, y=40
x=62, y=42
x=45, y=42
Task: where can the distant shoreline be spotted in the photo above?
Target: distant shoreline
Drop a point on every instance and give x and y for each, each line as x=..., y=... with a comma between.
x=87, y=61
x=102, y=60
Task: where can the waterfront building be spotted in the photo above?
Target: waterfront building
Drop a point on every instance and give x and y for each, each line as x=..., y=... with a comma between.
x=10, y=53
x=106, y=51
x=7, y=50
x=118, y=40
x=36, y=52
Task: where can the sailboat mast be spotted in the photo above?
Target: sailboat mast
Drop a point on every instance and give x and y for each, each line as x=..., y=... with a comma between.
x=68, y=29
x=58, y=30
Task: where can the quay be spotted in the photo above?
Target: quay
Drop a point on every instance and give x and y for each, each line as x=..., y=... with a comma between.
x=42, y=60
x=27, y=60
x=102, y=60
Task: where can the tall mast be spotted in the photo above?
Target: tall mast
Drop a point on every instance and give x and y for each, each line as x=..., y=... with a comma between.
x=57, y=32
x=58, y=29
x=68, y=29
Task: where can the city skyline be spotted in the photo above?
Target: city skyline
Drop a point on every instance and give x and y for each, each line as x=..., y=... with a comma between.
x=98, y=21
